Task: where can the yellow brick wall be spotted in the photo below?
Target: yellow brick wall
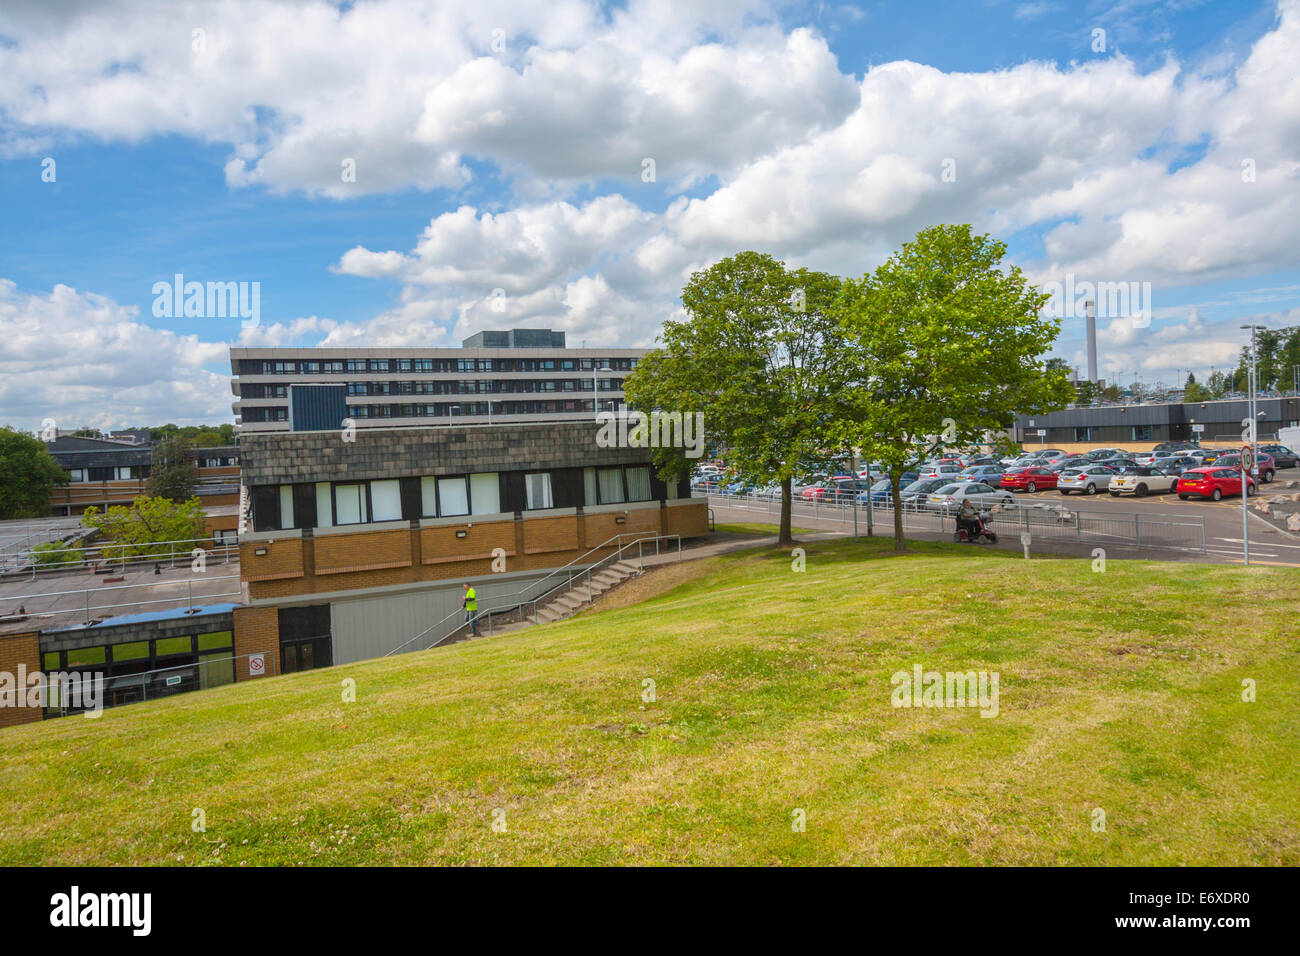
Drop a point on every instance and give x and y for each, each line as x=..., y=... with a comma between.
x=15, y=649
x=257, y=631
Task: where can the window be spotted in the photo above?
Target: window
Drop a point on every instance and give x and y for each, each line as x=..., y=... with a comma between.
x=1083, y=434
x=324, y=512
x=638, y=484
x=590, y=493
x=286, y=506
x=453, y=496
x=350, y=503
x=403, y=365
x=429, y=497
x=1141, y=432
x=485, y=493
x=173, y=645
x=212, y=641
x=424, y=365
x=386, y=500
x=130, y=652
x=356, y=365
x=379, y=365
x=539, y=491
x=610, y=482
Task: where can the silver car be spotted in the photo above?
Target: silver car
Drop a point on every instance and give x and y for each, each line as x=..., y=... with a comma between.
x=950, y=497
x=1087, y=480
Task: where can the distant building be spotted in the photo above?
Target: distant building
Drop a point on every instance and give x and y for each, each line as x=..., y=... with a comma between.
x=1121, y=425
x=497, y=376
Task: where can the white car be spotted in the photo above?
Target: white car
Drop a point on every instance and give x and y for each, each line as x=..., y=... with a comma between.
x=1155, y=457
x=941, y=471
x=1087, y=480
x=950, y=497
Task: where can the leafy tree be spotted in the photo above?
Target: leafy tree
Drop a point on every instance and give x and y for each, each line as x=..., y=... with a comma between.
x=755, y=358
x=943, y=347
x=206, y=438
x=1194, y=391
x=135, y=529
x=1218, y=384
x=28, y=474
x=173, y=473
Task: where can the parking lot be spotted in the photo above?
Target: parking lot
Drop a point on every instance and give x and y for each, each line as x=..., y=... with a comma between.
x=1157, y=526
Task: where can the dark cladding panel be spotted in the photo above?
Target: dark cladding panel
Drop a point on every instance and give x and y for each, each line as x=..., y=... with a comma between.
x=317, y=408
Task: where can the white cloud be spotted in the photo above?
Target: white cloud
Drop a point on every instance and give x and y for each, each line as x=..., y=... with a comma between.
x=82, y=359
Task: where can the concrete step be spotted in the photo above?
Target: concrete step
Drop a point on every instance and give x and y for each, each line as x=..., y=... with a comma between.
x=626, y=567
x=546, y=615
x=608, y=578
x=570, y=601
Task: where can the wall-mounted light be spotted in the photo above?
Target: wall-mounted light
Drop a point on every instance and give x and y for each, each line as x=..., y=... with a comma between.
x=621, y=519
x=462, y=533
x=259, y=551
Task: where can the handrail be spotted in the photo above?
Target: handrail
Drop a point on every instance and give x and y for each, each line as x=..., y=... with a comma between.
x=516, y=599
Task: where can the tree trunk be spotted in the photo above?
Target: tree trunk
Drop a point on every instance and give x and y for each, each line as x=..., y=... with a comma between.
x=896, y=481
x=785, y=537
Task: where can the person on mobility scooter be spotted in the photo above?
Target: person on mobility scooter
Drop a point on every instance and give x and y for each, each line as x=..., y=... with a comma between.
x=970, y=525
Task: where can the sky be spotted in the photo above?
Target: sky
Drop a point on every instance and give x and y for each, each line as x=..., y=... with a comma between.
x=409, y=173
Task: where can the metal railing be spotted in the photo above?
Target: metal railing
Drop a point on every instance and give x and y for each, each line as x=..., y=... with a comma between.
x=1057, y=522
x=572, y=571
x=104, y=553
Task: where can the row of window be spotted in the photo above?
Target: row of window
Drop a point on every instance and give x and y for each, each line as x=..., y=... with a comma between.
x=125, y=473
x=413, y=365
x=327, y=504
x=483, y=386
x=467, y=409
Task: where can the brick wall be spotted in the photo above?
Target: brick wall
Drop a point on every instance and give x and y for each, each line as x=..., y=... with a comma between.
x=18, y=649
x=344, y=561
x=257, y=631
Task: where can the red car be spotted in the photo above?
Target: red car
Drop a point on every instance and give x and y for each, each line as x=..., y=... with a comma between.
x=1029, y=479
x=1213, y=482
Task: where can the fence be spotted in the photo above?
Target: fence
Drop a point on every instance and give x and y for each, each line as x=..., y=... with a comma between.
x=83, y=689
x=1056, y=522
x=121, y=556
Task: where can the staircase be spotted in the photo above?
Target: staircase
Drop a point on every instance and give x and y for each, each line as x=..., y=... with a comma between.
x=574, y=599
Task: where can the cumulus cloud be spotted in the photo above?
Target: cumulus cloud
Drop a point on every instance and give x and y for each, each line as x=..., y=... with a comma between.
x=82, y=359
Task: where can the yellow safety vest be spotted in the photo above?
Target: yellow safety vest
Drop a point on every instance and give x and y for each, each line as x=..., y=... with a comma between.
x=471, y=600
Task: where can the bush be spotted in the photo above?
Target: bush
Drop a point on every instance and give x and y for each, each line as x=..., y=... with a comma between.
x=54, y=554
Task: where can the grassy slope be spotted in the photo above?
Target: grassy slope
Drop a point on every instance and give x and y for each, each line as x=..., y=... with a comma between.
x=1119, y=690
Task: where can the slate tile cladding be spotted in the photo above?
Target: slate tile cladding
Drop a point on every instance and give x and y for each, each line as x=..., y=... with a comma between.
x=275, y=458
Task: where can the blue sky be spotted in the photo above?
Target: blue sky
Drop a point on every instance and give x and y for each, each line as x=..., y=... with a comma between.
x=796, y=129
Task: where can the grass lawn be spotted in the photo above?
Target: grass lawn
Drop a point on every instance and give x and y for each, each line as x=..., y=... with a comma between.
x=1119, y=690
x=754, y=528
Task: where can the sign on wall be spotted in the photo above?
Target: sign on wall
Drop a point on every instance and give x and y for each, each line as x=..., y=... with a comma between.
x=256, y=665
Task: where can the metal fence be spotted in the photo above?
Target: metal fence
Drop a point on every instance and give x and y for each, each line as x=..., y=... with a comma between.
x=1056, y=522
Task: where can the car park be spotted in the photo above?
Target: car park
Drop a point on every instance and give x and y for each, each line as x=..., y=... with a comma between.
x=1098, y=454
x=1087, y=480
x=1152, y=457
x=950, y=496
x=1283, y=457
x=1175, y=446
x=918, y=492
x=1034, y=478
x=1142, y=480
x=1213, y=483
x=1073, y=461
x=1117, y=464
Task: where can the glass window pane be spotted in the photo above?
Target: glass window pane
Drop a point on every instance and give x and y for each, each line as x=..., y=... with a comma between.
x=638, y=484
x=452, y=497
x=386, y=500
x=172, y=645
x=539, y=491
x=350, y=504
x=130, y=652
x=213, y=640
x=286, y=506
x=611, y=485
x=85, y=655
x=324, y=513
x=51, y=661
x=429, y=497
x=590, y=496
x=485, y=493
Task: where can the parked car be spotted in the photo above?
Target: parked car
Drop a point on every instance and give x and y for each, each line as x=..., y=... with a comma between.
x=1098, y=454
x=1030, y=479
x=943, y=470
x=989, y=474
x=951, y=496
x=1284, y=457
x=974, y=460
x=917, y=493
x=1088, y=480
x=1073, y=461
x=1265, y=466
x=1117, y=464
x=1142, y=480
x=1175, y=446
x=1213, y=483
x=1151, y=457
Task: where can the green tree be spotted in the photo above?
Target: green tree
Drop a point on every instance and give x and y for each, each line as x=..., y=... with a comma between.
x=52, y=554
x=1218, y=384
x=28, y=474
x=173, y=473
x=1194, y=391
x=754, y=357
x=944, y=347
x=134, y=530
